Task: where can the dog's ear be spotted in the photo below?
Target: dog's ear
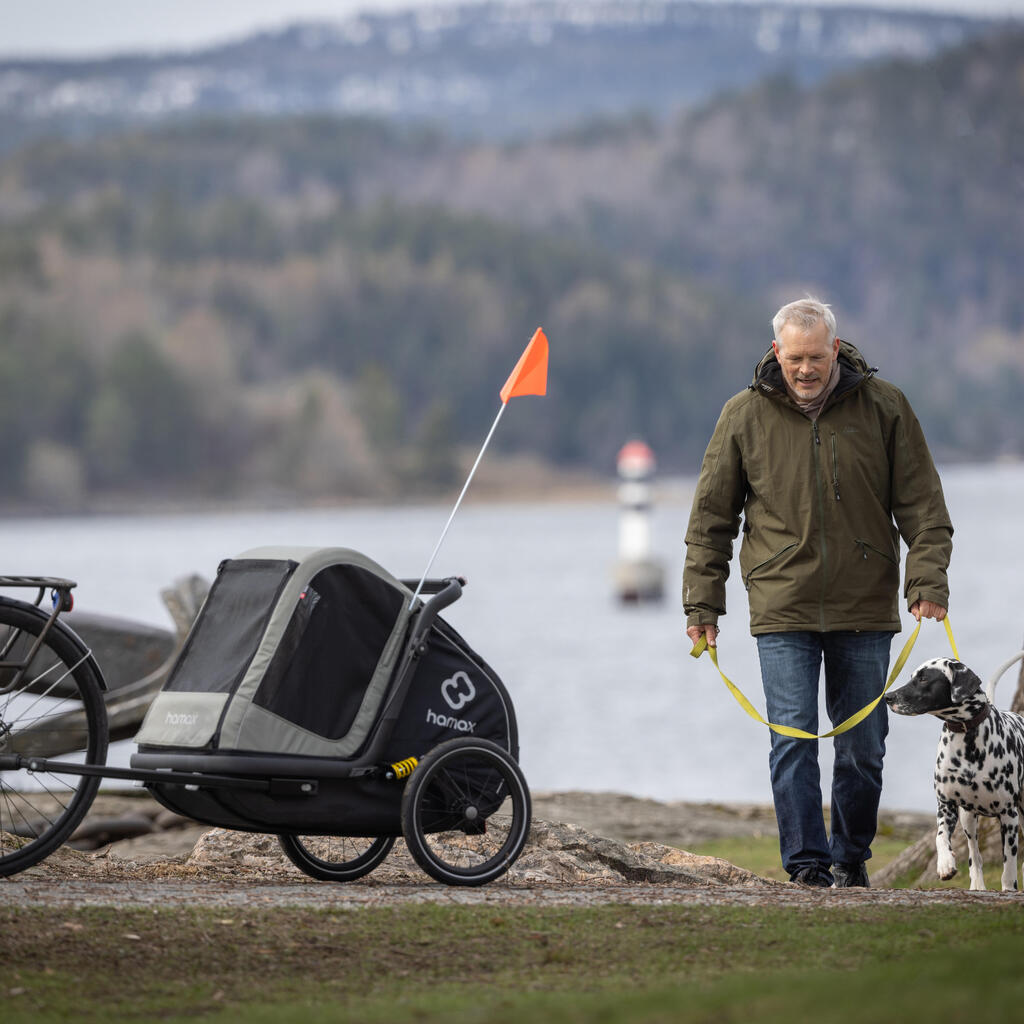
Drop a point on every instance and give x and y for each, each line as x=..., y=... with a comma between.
x=964, y=683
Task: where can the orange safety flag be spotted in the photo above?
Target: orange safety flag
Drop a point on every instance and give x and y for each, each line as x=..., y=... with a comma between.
x=530, y=377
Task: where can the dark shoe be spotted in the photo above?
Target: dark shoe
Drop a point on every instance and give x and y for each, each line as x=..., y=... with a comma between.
x=813, y=877
x=849, y=876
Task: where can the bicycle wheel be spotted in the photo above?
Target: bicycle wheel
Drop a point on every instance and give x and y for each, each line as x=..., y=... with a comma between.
x=466, y=812
x=335, y=858
x=54, y=708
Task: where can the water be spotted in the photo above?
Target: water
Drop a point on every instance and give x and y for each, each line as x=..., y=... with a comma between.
x=607, y=697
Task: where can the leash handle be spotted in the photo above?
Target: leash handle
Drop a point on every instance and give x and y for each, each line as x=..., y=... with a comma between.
x=855, y=719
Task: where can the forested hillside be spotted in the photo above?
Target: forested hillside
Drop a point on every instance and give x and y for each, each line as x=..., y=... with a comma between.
x=328, y=306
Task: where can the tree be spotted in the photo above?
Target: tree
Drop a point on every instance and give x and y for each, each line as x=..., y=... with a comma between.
x=143, y=422
x=45, y=387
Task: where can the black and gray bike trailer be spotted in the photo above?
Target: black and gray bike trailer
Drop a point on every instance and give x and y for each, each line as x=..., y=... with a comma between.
x=314, y=699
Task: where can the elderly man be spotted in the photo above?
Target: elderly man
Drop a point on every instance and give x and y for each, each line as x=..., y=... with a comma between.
x=828, y=467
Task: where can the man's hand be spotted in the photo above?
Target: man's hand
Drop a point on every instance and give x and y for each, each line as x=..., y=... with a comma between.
x=696, y=632
x=925, y=610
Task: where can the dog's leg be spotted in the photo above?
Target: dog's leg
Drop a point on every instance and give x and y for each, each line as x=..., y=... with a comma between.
x=946, y=818
x=969, y=823
x=1008, y=825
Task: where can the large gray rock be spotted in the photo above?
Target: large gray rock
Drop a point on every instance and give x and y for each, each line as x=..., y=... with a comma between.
x=555, y=854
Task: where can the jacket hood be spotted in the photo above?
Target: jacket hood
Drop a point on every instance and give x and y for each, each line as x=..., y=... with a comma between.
x=853, y=368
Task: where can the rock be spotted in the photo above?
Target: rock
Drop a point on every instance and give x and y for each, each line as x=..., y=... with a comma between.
x=634, y=819
x=554, y=854
x=221, y=847
x=569, y=853
x=714, y=869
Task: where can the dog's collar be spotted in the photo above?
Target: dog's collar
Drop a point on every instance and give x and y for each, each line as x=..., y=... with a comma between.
x=970, y=724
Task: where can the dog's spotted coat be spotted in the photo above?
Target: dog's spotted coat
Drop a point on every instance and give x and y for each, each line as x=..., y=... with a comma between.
x=980, y=765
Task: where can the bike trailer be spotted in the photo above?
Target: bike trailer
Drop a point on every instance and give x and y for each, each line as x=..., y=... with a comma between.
x=305, y=666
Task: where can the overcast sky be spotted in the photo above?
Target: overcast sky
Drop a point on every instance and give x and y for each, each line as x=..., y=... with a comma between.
x=92, y=27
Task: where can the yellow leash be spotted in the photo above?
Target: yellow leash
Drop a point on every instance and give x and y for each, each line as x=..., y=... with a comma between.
x=787, y=730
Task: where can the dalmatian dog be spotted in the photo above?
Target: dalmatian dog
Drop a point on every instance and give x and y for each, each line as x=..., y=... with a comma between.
x=979, y=769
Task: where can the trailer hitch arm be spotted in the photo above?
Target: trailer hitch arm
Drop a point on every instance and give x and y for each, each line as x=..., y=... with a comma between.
x=197, y=780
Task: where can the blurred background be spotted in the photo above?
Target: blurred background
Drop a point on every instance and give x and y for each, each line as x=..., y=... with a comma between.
x=256, y=250
x=277, y=256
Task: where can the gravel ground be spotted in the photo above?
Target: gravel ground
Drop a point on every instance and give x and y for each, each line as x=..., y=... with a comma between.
x=23, y=891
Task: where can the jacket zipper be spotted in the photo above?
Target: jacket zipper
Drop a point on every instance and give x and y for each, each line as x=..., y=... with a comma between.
x=865, y=547
x=835, y=467
x=818, y=487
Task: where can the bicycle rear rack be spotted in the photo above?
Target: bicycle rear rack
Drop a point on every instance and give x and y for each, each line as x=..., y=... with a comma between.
x=62, y=602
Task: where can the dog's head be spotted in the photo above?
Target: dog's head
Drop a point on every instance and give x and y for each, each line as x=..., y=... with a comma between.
x=938, y=685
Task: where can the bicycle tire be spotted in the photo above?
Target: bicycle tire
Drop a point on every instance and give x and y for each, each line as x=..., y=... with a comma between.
x=40, y=810
x=466, y=812
x=335, y=858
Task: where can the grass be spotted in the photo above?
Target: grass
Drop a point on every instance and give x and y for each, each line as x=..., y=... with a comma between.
x=760, y=854
x=497, y=964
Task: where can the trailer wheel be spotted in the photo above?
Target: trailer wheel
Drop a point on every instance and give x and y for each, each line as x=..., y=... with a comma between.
x=466, y=812
x=50, y=705
x=335, y=858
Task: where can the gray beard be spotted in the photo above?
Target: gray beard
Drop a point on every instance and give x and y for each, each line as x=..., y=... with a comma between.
x=812, y=407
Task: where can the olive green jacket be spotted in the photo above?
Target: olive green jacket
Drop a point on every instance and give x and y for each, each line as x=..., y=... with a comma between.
x=823, y=507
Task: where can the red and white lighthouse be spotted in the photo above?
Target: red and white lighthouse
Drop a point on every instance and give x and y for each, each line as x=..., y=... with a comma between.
x=639, y=576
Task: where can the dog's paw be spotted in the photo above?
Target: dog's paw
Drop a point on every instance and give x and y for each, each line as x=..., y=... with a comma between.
x=946, y=867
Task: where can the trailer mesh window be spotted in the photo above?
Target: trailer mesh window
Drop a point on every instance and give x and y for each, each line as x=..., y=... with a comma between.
x=230, y=626
x=329, y=653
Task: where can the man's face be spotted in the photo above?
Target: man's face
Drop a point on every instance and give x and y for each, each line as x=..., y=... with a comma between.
x=806, y=358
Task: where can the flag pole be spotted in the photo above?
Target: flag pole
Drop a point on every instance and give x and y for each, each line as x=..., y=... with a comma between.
x=444, y=532
x=530, y=377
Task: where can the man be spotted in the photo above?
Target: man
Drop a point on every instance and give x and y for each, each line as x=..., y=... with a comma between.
x=829, y=468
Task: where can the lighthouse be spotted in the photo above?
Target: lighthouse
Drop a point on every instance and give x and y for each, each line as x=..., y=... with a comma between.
x=639, y=576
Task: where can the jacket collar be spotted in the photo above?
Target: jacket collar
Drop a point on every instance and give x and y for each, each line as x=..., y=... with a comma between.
x=853, y=371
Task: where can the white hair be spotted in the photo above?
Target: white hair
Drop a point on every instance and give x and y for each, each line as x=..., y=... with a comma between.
x=805, y=314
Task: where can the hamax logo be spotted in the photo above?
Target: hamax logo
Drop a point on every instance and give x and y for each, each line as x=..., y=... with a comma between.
x=180, y=718
x=458, y=691
x=450, y=721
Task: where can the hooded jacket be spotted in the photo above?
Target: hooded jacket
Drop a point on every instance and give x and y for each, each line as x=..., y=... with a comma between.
x=823, y=505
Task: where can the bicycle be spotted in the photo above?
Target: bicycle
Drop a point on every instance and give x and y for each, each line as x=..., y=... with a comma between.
x=51, y=704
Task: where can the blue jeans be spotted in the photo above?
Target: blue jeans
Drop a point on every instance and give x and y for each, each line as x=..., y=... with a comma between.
x=856, y=665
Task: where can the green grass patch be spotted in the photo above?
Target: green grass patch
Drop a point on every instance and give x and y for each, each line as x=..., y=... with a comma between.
x=431, y=963
x=760, y=854
x=992, y=871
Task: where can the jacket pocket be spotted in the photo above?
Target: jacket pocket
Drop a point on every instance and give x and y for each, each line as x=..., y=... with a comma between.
x=749, y=575
x=867, y=550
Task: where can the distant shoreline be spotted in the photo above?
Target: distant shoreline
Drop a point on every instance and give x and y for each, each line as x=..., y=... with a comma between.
x=512, y=480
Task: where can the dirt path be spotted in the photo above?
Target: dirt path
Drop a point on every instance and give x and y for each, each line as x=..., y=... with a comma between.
x=23, y=891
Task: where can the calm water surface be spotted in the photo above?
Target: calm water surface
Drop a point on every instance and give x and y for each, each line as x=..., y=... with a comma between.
x=607, y=697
